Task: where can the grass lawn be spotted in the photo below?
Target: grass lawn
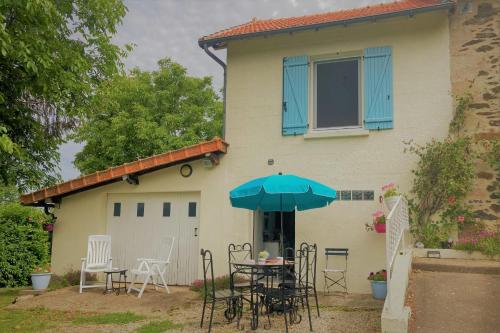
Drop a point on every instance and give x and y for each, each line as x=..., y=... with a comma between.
x=119, y=318
x=158, y=327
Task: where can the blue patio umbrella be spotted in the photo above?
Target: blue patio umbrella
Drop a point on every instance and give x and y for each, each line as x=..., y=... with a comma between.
x=283, y=193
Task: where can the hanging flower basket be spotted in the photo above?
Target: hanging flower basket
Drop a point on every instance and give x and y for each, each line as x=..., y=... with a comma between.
x=48, y=227
x=379, y=228
x=379, y=221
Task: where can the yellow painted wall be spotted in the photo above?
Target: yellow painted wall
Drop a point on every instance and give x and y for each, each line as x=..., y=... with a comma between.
x=422, y=110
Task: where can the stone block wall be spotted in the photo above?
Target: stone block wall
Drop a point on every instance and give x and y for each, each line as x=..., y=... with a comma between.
x=475, y=62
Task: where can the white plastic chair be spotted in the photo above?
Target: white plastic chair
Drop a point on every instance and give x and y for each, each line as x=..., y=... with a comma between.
x=98, y=258
x=153, y=269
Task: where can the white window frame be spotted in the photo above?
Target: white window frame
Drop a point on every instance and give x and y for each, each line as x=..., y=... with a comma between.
x=336, y=58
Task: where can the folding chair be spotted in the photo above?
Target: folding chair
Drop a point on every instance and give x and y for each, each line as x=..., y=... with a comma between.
x=335, y=276
x=150, y=269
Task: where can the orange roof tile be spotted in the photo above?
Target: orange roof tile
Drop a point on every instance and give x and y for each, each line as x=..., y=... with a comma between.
x=258, y=27
x=116, y=173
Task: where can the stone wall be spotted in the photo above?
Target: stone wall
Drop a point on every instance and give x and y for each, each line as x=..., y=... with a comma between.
x=475, y=62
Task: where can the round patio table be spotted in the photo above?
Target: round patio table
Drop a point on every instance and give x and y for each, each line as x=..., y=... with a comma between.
x=258, y=271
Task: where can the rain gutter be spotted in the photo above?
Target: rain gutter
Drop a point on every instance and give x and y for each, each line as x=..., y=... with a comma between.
x=224, y=67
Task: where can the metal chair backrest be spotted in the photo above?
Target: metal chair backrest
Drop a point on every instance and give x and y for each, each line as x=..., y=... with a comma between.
x=208, y=273
x=98, y=251
x=239, y=253
x=312, y=255
x=300, y=274
x=332, y=251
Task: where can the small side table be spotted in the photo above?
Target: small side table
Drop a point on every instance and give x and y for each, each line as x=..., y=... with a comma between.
x=121, y=284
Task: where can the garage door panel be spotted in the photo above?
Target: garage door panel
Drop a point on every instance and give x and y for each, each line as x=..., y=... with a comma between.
x=135, y=237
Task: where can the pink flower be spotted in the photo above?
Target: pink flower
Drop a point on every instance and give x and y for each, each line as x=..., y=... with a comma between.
x=461, y=218
x=388, y=186
x=378, y=213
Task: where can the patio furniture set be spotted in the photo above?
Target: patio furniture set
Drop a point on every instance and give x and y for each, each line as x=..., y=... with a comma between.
x=279, y=286
x=99, y=259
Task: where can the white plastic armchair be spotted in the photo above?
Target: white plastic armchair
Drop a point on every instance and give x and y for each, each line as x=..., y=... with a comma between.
x=98, y=258
x=153, y=269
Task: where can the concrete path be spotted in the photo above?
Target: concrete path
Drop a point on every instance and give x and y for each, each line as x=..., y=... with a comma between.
x=456, y=301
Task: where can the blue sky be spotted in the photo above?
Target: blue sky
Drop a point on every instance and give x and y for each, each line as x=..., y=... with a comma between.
x=171, y=28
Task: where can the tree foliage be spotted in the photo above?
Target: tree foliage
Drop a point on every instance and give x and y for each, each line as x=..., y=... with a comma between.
x=52, y=56
x=147, y=113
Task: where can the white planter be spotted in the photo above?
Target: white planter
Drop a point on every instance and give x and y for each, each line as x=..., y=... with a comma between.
x=40, y=281
x=390, y=202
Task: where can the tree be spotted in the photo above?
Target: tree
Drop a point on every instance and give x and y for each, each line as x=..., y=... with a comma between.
x=53, y=54
x=147, y=113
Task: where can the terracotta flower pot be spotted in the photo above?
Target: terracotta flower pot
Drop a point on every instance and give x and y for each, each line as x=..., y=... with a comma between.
x=379, y=228
x=48, y=227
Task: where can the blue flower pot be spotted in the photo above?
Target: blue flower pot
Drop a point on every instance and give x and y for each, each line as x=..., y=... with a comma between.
x=379, y=289
x=40, y=281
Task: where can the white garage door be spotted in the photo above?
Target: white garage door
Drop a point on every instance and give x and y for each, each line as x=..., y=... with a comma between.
x=139, y=224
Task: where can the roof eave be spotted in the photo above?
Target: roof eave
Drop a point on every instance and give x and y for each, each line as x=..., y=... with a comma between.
x=220, y=43
x=115, y=174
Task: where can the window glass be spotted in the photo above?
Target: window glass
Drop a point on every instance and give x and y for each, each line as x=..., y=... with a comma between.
x=140, y=209
x=337, y=88
x=368, y=195
x=345, y=195
x=166, y=209
x=192, y=209
x=357, y=195
x=117, y=208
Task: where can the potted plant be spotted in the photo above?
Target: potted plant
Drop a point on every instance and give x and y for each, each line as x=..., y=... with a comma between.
x=390, y=195
x=40, y=277
x=379, y=221
x=378, y=283
x=263, y=255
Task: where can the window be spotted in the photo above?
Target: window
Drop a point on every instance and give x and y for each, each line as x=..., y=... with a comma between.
x=166, y=209
x=336, y=102
x=140, y=209
x=357, y=195
x=368, y=195
x=117, y=208
x=345, y=195
x=354, y=195
x=192, y=209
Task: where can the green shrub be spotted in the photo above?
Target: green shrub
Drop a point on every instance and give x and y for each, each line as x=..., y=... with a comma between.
x=23, y=243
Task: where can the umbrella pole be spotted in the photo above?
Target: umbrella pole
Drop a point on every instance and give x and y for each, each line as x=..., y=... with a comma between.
x=281, y=234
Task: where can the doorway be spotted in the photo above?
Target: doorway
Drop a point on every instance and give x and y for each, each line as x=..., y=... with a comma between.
x=267, y=230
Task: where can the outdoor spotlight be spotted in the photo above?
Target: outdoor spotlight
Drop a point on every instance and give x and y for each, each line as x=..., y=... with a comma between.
x=131, y=179
x=210, y=160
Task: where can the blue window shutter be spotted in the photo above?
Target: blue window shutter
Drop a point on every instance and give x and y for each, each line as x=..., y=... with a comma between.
x=295, y=90
x=378, y=88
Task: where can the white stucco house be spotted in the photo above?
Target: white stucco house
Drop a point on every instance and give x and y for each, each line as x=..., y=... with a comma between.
x=330, y=97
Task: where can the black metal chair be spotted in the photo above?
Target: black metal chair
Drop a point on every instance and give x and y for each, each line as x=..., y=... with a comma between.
x=292, y=289
x=313, y=257
x=335, y=276
x=239, y=253
x=231, y=298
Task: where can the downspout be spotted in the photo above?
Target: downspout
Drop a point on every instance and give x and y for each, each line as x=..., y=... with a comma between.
x=223, y=65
